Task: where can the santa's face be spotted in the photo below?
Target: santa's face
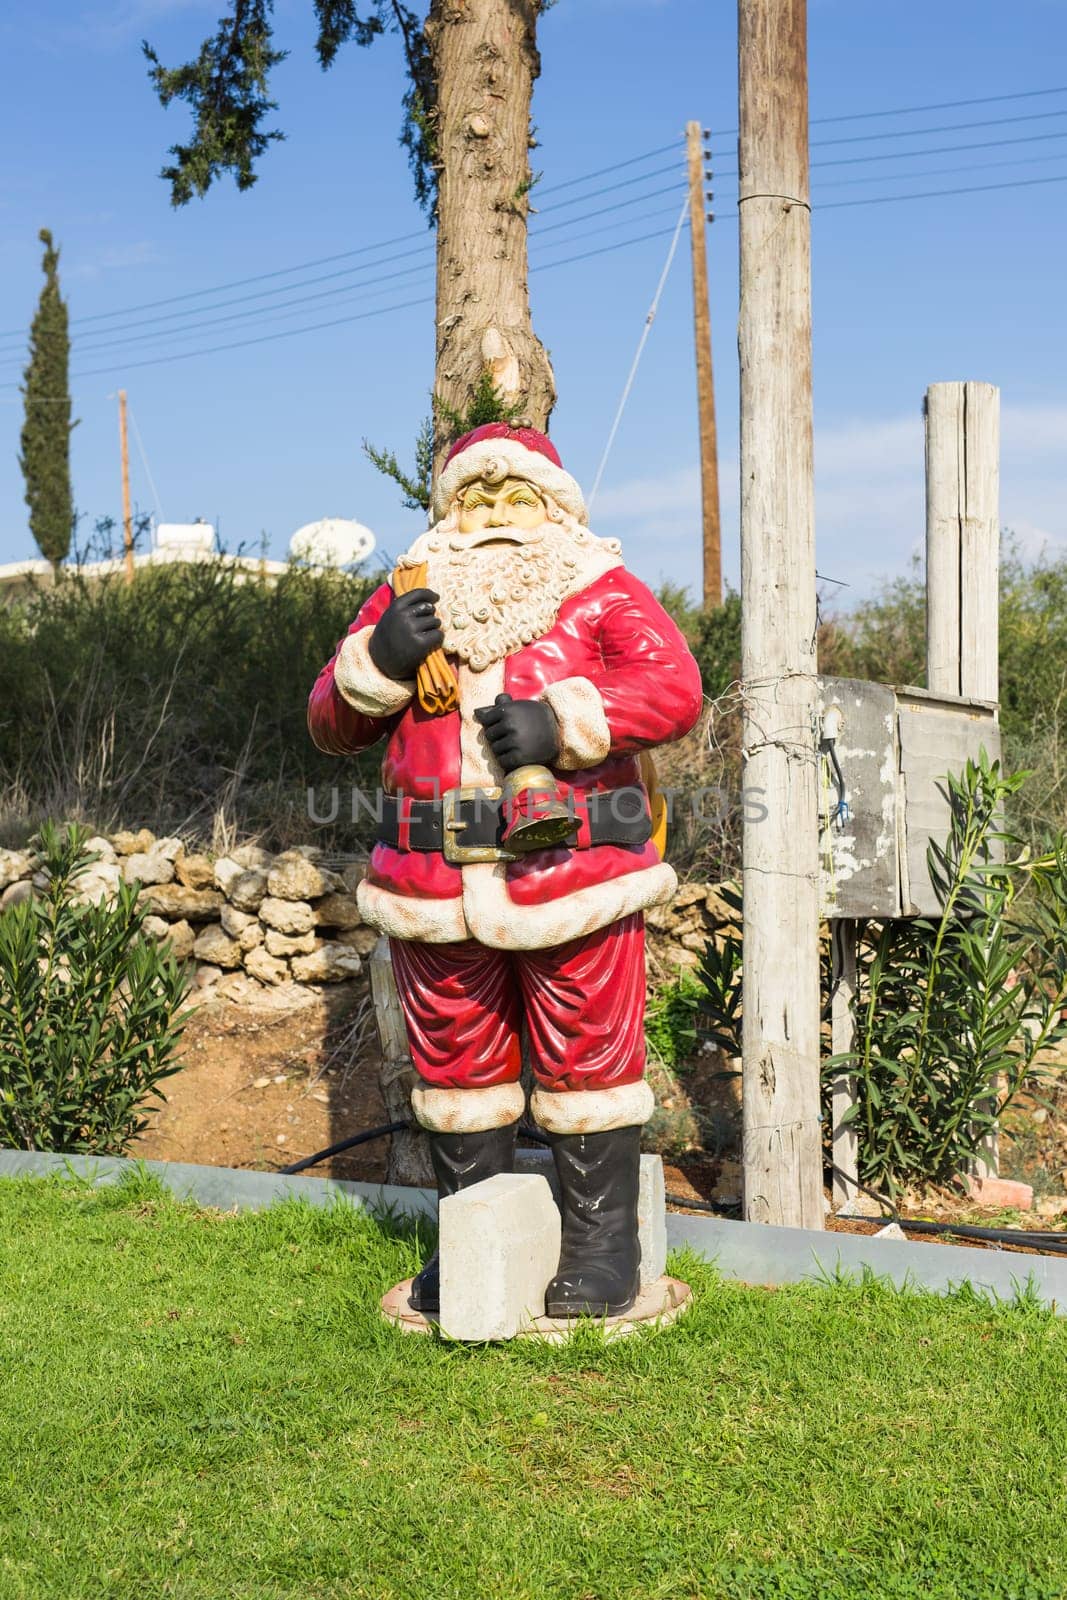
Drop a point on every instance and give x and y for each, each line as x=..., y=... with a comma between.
x=511, y=504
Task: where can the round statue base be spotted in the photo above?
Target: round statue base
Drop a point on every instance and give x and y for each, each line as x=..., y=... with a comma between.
x=660, y=1303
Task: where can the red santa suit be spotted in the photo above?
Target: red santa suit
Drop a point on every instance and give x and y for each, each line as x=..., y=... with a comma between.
x=555, y=937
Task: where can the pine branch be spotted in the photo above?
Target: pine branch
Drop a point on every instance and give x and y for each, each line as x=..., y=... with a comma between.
x=227, y=88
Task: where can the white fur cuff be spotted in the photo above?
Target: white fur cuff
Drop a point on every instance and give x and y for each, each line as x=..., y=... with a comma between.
x=365, y=688
x=584, y=735
x=593, y=1110
x=468, y=1110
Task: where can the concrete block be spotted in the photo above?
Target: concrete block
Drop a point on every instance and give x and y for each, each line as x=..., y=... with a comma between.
x=652, y=1220
x=651, y=1206
x=1001, y=1192
x=499, y=1243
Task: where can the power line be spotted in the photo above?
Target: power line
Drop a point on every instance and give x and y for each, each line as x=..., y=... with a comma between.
x=943, y=127
x=937, y=172
x=280, y=310
x=921, y=194
x=936, y=105
x=918, y=155
x=342, y=255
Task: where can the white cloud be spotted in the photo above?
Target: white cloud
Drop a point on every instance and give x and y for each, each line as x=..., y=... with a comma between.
x=869, y=500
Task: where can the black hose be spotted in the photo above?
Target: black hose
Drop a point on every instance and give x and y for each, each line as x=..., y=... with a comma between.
x=1054, y=1242
x=346, y=1144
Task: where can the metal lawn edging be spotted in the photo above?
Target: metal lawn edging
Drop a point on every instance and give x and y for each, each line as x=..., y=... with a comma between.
x=746, y=1252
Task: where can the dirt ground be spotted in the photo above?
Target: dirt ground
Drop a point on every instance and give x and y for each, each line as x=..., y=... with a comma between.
x=262, y=1088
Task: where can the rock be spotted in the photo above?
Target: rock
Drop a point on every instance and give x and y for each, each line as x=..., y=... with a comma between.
x=677, y=956
x=239, y=989
x=499, y=1243
x=695, y=941
x=689, y=895
x=196, y=871
x=214, y=945
x=1052, y=1205
x=235, y=922
x=170, y=848
x=14, y=866
x=328, y=964
x=174, y=901
x=285, y=944
x=251, y=938
x=182, y=939
x=685, y=925
x=244, y=887
x=338, y=911
x=101, y=847
x=261, y=1083
x=99, y=883
x=206, y=977
x=252, y=857
x=128, y=844
x=287, y=916
x=1007, y=1192
x=156, y=928
x=362, y=940
x=863, y=1205
x=658, y=918
x=16, y=894
x=267, y=968
x=892, y=1230
x=147, y=868
x=294, y=877
x=352, y=875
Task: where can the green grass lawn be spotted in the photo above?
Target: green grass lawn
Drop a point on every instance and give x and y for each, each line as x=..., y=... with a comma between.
x=197, y=1404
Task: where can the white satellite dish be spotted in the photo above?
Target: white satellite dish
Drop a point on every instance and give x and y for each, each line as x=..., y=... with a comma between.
x=333, y=542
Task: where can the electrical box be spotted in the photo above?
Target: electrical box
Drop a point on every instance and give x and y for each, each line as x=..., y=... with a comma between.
x=883, y=757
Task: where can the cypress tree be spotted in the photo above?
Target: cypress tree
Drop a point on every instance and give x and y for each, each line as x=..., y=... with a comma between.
x=45, y=456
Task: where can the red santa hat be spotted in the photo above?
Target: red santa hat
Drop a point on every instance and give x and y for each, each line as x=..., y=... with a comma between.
x=496, y=451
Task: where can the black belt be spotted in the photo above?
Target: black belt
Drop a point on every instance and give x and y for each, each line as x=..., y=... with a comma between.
x=465, y=821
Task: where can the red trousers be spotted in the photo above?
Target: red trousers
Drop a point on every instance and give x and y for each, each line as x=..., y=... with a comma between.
x=583, y=1003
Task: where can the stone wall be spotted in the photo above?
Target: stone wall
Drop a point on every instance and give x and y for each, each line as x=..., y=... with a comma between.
x=256, y=923
x=259, y=927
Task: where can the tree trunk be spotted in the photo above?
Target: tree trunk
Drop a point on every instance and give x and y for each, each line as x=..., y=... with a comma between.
x=485, y=60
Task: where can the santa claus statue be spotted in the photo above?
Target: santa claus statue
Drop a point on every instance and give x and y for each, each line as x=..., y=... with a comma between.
x=559, y=659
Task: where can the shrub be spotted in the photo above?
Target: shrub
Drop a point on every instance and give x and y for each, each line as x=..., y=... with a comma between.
x=177, y=701
x=90, y=1013
x=953, y=1013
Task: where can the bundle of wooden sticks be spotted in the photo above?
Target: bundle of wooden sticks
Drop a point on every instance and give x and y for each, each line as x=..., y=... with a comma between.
x=438, y=690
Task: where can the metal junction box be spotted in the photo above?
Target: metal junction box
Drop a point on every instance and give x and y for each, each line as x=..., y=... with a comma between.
x=881, y=803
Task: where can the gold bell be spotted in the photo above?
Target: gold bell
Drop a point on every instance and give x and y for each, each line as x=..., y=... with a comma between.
x=535, y=817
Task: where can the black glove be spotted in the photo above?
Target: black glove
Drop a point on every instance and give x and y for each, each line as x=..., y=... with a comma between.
x=408, y=630
x=521, y=732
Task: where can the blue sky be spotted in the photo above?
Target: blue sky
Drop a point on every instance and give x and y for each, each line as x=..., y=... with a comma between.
x=267, y=437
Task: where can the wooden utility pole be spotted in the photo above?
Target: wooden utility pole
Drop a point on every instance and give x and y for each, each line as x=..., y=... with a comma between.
x=962, y=539
x=709, y=445
x=963, y=565
x=127, y=514
x=782, y=1136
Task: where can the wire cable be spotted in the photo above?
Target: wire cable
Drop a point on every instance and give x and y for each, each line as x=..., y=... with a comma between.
x=144, y=463
x=639, y=352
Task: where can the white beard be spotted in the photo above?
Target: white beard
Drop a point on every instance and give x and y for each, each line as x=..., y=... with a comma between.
x=497, y=597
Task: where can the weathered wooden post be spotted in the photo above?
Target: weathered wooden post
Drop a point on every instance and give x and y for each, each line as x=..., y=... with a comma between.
x=963, y=561
x=782, y=1141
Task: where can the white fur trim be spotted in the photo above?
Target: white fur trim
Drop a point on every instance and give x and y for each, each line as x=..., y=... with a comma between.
x=507, y=458
x=365, y=688
x=468, y=1110
x=405, y=916
x=496, y=920
x=627, y=1105
x=584, y=735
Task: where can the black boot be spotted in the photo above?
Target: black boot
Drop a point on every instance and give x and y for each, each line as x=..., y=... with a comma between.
x=600, y=1259
x=460, y=1160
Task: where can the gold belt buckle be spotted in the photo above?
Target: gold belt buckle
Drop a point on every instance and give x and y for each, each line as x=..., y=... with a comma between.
x=453, y=826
